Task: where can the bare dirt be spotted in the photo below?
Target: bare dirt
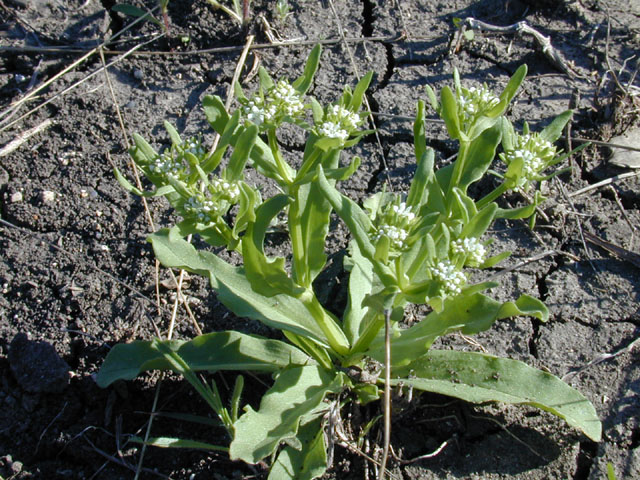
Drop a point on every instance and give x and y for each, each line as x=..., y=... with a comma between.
x=76, y=275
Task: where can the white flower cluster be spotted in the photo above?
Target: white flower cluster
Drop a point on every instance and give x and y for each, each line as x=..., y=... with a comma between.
x=396, y=235
x=475, y=101
x=339, y=123
x=536, y=154
x=404, y=212
x=452, y=279
x=396, y=223
x=229, y=190
x=193, y=146
x=258, y=113
x=287, y=98
x=472, y=248
x=166, y=164
x=171, y=161
x=203, y=208
x=281, y=100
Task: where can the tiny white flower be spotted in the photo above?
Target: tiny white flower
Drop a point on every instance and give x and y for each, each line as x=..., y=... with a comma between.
x=405, y=212
x=396, y=235
x=536, y=154
x=333, y=130
x=471, y=247
x=452, y=280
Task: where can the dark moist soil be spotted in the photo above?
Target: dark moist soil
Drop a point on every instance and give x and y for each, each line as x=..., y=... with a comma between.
x=77, y=276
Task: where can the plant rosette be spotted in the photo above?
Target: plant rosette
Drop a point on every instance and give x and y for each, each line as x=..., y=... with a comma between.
x=415, y=247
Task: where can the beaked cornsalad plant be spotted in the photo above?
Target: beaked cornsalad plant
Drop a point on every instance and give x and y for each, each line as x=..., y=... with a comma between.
x=413, y=247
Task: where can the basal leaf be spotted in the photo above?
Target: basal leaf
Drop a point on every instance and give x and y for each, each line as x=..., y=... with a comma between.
x=296, y=392
x=229, y=350
x=234, y=290
x=479, y=378
x=307, y=462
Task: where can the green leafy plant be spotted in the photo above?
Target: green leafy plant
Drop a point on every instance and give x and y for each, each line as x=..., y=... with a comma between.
x=137, y=12
x=239, y=10
x=417, y=247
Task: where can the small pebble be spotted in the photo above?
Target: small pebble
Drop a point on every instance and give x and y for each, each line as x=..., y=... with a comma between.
x=137, y=74
x=47, y=196
x=16, y=197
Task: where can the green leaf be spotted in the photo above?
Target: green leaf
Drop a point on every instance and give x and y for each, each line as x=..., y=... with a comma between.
x=246, y=208
x=303, y=83
x=304, y=463
x=433, y=99
x=215, y=112
x=241, y=152
x=360, y=284
x=229, y=350
x=234, y=290
x=509, y=92
x=449, y=112
x=478, y=378
x=170, y=442
x=359, y=91
x=173, y=134
x=470, y=313
x=136, y=12
x=266, y=82
x=481, y=153
x=358, y=223
x=553, y=131
x=268, y=277
x=480, y=222
x=296, y=392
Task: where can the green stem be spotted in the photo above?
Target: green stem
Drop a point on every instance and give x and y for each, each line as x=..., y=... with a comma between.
x=309, y=163
x=283, y=168
x=491, y=196
x=300, y=267
x=458, y=168
x=335, y=336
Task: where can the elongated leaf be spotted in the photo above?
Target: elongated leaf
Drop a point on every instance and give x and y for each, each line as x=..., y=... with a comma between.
x=449, y=112
x=472, y=313
x=229, y=350
x=215, y=112
x=479, y=378
x=553, y=131
x=303, y=83
x=307, y=462
x=173, y=134
x=359, y=91
x=234, y=290
x=361, y=282
x=136, y=12
x=268, y=277
x=358, y=223
x=171, y=442
x=480, y=222
x=241, y=152
x=479, y=157
x=296, y=392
